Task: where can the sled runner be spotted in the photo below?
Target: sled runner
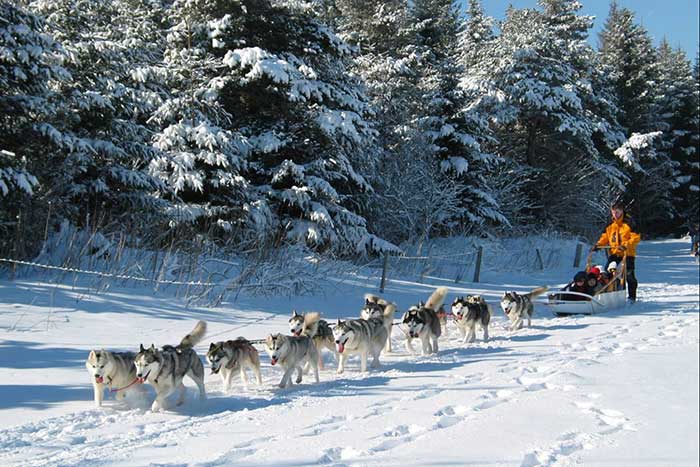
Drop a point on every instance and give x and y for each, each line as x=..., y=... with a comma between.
x=611, y=297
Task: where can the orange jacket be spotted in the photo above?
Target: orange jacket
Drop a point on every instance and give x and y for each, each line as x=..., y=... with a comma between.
x=618, y=234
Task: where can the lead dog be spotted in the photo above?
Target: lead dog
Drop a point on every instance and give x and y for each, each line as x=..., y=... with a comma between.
x=113, y=370
x=423, y=322
x=377, y=307
x=518, y=307
x=225, y=358
x=291, y=352
x=311, y=325
x=165, y=369
x=467, y=312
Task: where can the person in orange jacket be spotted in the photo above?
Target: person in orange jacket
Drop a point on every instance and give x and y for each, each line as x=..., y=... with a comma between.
x=621, y=239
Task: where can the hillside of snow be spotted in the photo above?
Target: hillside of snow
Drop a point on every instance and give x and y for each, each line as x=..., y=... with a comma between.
x=619, y=388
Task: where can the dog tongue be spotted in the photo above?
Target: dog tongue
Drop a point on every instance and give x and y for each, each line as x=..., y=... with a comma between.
x=273, y=361
x=99, y=379
x=341, y=347
x=141, y=380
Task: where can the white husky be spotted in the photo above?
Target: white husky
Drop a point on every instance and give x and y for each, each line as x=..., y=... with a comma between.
x=113, y=370
x=291, y=352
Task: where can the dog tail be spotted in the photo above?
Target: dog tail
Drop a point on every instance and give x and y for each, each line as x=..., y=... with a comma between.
x=538, y=291
x=437, y=298
x=197, y=334
x=372, y=298
x=311, y=317
x=389, y=309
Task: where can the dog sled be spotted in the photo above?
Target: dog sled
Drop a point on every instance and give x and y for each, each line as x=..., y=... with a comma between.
x=610, y=297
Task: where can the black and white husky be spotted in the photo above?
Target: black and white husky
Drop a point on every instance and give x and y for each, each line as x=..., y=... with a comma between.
x=377, y=307
x=113, y=370
x=165, y=368
x=291, y=352
x=519, y=306
x=311, y=325
x=422, y=322
x=227, y=358
x=361, y=336
x=467, y=312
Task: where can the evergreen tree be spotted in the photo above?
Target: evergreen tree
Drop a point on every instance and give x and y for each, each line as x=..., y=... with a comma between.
x=547, y=114
x=455, y=133
x=629, y=59
x=31, y=63
x=264, y=130
x=631, y=63
x=101, y=141
x=677, y=106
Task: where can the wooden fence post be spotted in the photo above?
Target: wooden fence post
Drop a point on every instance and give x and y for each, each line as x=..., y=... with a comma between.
x=579, y=251
x=384, y=268
x=477, y=267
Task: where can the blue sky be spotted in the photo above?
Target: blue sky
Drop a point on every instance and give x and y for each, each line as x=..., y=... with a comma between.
x=675, y=19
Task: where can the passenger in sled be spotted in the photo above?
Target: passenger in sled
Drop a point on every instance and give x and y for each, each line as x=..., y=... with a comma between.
x=580, y=284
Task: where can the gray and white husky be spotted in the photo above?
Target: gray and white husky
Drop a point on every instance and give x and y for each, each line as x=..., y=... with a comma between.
x=113, y=370
x=422, y=322
x=291, y=352
x=311, y=325
x=361, y=336
x=165, y=369
x=467, y=312
x=377, y=307
x=225, y=358
x=519, y=306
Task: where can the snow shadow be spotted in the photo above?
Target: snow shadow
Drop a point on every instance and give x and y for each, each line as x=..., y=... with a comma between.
x=225, y=403
x=29, y=355
x=458, y=357
x=39, y=397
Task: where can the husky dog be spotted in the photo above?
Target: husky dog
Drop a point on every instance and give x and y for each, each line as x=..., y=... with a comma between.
x=422, y=322
x=291, y=352
x=467, y=312
x=311, y=325
x=113, y=370
x=518, y=307
x=377, y=307
x=361, y=336
x=226, y=357
x=165, y=369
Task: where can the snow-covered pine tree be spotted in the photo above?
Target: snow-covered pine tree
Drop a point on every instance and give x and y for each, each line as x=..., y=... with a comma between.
x=455, y=133
x=677, y=105
x=264, y=129
x=543, y=108
x=101, y=143
x=629, y=59
x=30, y=62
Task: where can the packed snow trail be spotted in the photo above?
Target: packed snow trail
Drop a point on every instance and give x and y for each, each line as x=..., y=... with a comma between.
x=620, y=388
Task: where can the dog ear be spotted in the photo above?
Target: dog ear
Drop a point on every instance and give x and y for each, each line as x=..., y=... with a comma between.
x=141, y=349
x=212, y=346
x=339, y=322
x=367, y=302
x=294, y=313
x=153, y=347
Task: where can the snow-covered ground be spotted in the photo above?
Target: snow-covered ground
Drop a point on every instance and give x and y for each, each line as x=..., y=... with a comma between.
x=619, y=388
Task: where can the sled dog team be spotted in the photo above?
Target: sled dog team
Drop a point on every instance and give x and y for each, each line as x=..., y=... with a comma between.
x=366, y=336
